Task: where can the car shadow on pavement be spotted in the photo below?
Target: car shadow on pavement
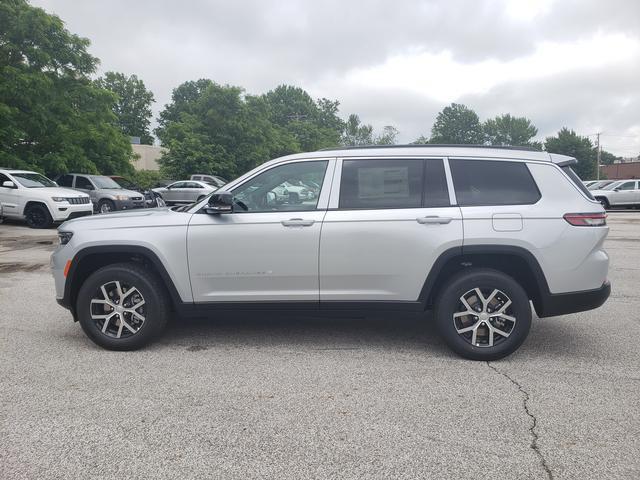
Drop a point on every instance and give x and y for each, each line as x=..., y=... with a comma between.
x=314, y=332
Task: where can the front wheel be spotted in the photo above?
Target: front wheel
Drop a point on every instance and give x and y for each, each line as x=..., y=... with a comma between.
x=483, y=314
x=122, y=307
x=38, y=216
x=106, y=206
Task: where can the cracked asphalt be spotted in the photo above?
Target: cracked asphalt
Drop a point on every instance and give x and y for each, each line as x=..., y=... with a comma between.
x=278, y=397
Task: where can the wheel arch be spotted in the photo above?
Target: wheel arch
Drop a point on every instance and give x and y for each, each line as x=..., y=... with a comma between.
x=31, y=203
x=516, y=262
x=90, y=259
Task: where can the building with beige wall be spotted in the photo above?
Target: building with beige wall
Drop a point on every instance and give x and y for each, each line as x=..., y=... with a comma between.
x=148, y=156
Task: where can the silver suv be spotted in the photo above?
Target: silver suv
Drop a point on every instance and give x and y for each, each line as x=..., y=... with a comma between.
x=474, y=234
x=106, y=195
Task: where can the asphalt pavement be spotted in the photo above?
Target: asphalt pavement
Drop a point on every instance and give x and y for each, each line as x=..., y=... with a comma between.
x=304, y=397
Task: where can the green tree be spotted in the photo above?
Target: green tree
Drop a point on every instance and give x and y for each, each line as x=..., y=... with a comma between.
x=457, y=124
x=355, y=133
x=509, y=130
x=607, y=158
x=216, y=129
x=387, y=137
x=313, y=124
x=53, y=118
x=421, y=140
x=568, y=142
x=133, y=107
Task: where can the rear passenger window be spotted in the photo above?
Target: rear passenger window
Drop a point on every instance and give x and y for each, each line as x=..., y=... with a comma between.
x=490, y=182
x=382, y=183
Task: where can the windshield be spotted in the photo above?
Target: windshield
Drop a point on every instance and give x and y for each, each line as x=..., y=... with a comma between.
x=611, y=186
x=33, y=180
x=105, y=182
x=124, y=183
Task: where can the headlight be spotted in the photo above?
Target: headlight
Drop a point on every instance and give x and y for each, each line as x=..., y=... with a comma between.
x=122, y=197
x=65, y=237
x=60, y=199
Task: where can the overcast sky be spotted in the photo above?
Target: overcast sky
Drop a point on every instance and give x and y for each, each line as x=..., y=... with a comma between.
x=573, y=63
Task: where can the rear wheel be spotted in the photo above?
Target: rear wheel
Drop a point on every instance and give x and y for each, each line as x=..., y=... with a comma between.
x=122, y=307
x=38, y=216
x=483, y=314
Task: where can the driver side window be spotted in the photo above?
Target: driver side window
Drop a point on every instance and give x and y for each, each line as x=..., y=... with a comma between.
x=290, y=187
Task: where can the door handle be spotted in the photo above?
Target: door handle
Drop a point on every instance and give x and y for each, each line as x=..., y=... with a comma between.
x=434, y=220
x=297, y=222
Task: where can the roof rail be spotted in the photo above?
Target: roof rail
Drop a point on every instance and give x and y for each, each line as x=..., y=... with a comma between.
x=431, y=145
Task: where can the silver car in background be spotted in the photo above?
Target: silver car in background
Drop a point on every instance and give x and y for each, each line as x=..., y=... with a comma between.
x=185, y=191
x=106, y=195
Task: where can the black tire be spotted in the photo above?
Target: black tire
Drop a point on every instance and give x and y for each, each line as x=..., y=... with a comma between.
x=105, y=206
x=38, y=216
x=156, y=306
x=449, y=301
x=604, y=202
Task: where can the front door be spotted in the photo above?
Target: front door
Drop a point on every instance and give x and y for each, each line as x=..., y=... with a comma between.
x=625, y=193
x=9, y=197
x=267, y=249
x=386, y=225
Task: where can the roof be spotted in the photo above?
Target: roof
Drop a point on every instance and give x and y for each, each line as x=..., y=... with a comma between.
x=430, y=150
x=13, y=170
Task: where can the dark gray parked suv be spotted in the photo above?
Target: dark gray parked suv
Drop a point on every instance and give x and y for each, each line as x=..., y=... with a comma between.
x=105, y=193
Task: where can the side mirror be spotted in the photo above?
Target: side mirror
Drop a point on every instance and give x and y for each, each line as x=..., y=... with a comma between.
x=220, y=202
x=8, y=184
x=616, y=189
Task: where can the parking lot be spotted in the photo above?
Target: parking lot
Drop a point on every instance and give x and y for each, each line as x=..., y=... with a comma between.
x=315, y=398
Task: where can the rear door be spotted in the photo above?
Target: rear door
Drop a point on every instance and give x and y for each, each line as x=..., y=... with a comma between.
x=389, y=220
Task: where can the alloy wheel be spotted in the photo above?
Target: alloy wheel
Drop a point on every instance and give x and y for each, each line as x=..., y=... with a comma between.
x=118, y=309
x=105, y=208
x=484, y=317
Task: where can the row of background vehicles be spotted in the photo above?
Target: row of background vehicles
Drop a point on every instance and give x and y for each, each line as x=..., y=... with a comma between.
x=615, y=193
x=41, y=202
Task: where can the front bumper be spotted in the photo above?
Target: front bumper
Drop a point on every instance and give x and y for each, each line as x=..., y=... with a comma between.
x=573, y=302
x=129, y=204
x=65, y=211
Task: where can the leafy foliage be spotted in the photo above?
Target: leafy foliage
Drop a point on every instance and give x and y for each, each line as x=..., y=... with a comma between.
x=211, y=128
x=53, y=118
x=312, y=124
x=133, y=107
x=355, y=133
x=568, y=142
x=509, y=130
x=147, y=178
x=457, y=124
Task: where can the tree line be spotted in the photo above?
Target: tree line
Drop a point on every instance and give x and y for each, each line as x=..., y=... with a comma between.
x=55, y=117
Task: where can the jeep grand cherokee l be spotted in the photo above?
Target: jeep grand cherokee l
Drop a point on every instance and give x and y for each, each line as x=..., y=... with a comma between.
x=475, y=234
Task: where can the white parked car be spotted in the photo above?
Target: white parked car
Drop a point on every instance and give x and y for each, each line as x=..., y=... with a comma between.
x=30, y=196
x=184, y=191
x=478, y=235
x=618, y=194
x=293, y=194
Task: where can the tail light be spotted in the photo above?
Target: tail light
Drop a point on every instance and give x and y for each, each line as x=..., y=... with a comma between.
x=587, y=219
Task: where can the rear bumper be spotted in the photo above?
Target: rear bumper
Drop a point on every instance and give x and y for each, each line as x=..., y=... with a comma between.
x=572, y=302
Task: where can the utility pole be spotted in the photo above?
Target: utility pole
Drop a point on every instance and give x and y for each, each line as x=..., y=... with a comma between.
x=598, y=155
